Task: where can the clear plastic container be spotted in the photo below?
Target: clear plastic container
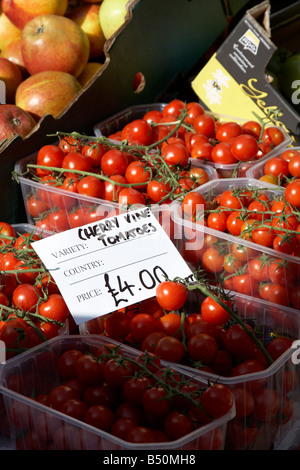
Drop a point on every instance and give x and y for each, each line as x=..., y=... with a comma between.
x=74, y=209
x=280, y=381
x=268, y=321
x=36, y=372
x=5, y=443
x=119, y=120
x=193, y=239
x=28, y=228
x=257, y=171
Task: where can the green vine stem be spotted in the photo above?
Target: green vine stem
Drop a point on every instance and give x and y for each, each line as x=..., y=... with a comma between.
x=201, y=287
x=171, y=391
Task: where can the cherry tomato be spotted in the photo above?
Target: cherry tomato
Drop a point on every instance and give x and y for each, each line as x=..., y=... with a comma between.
x=238, y=342
x=116, y=372
x=204, y=124
x=252, y=127
x=54, y=308
x=76, y=161
x=60, y=394
x=258, y=269
x=75, y=408
x=6, y=230
x=292, y=193
x=140, y=434
x=193, y=204
x=217, y=400
x=213, y=312
x=90, y=186
x=153, y=116
x=66, y=363
x=155, y=401
x=111, y=189
x=69, y=144
x=26, y=297
x=129, y=196
x=171, y=295
x=227, y=131
x=202, y=151
x=49, y=155
x=212, y=260
x=174, y=108
x=137, y=173
x=194, y=109
x=234, y=223
x=273, y=135
x=175, y=154
x=114, y=162
x=244, y=147
x=158, y=190
x=94, y=151
x=117, y=325
x=99, y=416
x=202, y=347
x=170, y=349
x=141, y=325
x=101, y=394
x=134, y=388
x=121, y=427
x=177, y=425
x=279, y=346
x=266, y=404
x=221, y=153
x=150, y=341
x=137, y=132
x=88, y=369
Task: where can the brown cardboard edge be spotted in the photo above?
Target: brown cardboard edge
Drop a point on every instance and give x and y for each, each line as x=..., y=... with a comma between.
x=262, y=9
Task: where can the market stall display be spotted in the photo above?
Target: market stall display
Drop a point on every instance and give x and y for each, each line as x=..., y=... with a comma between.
x=123, y=175
x=208, y=335
x=244, y=236
x=56, y=415
x=279, y=169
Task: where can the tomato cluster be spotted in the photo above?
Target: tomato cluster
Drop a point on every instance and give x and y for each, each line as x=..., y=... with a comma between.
x=206, y=338
x=32, y=308
x=283, y=168
x=133, y=397
x=260, y=216
x=206, y=137
x=149, y=161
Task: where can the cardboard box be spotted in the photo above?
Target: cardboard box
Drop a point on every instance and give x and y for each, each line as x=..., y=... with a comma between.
x=234, y=83
x=161, y=40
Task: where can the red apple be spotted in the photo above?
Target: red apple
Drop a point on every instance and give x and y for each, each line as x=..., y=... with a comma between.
x=52, y=42
x=8, y=31
x=14, y=121
x=47, y=93
x=21, y=11
x=12, y=52
x=88, y=72
x=11, y=75
x=87, y=17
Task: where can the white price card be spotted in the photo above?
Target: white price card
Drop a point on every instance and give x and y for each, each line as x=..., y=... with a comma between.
x=112, y=263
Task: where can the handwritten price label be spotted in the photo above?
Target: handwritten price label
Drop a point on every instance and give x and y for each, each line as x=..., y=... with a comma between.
x=113, y=263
